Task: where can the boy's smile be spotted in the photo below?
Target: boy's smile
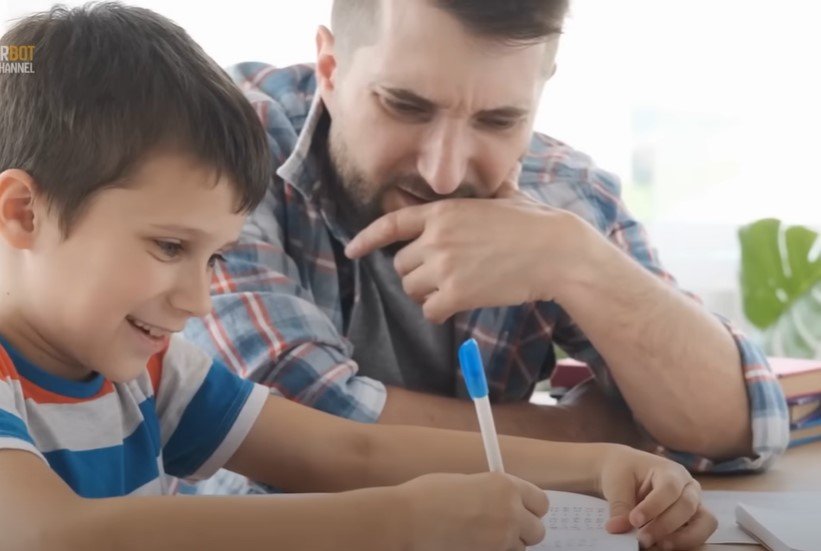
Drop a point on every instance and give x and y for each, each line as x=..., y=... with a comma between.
x=155, y=338
x=134, y=267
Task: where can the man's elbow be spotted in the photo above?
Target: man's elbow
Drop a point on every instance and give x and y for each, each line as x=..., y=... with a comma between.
x=731, y=441
x=716, y=439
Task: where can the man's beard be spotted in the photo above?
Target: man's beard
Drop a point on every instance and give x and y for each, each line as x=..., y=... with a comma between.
x=362, y=200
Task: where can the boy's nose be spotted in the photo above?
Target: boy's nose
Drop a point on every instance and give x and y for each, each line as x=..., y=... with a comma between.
x=192, y=294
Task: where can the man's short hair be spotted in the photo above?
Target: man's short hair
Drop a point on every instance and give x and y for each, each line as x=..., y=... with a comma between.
x=355, y=23
x=111, y=84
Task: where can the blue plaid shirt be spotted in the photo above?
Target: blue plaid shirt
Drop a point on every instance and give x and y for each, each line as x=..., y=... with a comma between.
x=278, y=300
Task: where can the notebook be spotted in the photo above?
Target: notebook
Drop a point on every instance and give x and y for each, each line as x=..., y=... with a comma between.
x=781, y=530
x=575, y=522
x=723, y=504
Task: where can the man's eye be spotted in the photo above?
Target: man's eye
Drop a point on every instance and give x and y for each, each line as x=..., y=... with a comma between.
x=406, y=109
x=170, y=249
x=498, y=124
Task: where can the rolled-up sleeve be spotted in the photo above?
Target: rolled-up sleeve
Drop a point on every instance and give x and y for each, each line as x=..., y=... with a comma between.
x=769, y=417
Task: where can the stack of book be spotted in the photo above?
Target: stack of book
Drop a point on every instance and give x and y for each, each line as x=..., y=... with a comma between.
x=801, y=382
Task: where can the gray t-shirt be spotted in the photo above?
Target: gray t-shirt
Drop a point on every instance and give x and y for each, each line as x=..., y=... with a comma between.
x=393, y=342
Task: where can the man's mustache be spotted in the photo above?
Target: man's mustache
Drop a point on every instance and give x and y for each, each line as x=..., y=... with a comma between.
x=416, y=185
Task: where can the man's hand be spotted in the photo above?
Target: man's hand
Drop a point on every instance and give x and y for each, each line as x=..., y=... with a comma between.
x=655, y=496
x=473, y=253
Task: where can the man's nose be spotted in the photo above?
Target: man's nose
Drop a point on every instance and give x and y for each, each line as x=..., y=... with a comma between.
x=444, y=157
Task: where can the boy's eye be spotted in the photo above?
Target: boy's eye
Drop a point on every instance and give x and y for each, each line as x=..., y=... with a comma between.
x=173, y=249
x=214, y=259
x=170, y=249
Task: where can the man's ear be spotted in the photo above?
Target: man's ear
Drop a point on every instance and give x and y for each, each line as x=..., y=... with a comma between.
x=325, y=64
x=18, y=191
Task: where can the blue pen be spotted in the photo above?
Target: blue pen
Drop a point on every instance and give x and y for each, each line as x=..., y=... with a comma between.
x=474, y=373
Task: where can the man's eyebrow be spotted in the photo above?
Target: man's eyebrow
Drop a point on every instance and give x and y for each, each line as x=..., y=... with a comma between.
x=509, y=112
x=403, y=94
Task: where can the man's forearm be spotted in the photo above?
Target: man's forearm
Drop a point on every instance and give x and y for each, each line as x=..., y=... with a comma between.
x=675, y=364
x=401, y=453
x=584, y=415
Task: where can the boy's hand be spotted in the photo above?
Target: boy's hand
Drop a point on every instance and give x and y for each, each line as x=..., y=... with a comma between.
x=655, y=496
x=490, y=511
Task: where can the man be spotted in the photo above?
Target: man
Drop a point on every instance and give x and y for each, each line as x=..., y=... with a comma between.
x=415, y=207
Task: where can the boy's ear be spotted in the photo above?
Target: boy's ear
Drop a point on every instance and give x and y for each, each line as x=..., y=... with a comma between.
x=325, y=63
x=17, y=193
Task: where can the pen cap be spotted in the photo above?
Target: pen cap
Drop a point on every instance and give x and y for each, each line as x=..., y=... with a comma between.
x=472, y=370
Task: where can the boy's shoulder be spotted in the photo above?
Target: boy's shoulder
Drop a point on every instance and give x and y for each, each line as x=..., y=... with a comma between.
x=181, y=365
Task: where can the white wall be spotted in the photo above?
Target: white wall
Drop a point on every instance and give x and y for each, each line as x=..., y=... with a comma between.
x=715, y=100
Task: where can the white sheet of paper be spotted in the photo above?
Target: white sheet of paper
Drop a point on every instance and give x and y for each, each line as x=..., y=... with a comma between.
x=723, y=504
x=575, y=522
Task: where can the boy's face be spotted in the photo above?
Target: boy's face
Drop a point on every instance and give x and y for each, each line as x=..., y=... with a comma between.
x=135, y=266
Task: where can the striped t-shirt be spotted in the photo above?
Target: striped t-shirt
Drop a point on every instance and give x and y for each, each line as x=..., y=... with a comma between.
x=183, y=417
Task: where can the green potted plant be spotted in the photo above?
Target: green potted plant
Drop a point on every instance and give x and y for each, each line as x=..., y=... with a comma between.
x=781, y=286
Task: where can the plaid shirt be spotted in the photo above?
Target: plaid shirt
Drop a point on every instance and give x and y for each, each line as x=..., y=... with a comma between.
x=278, y=301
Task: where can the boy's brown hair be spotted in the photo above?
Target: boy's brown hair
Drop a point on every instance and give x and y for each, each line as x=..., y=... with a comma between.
x=110, y=85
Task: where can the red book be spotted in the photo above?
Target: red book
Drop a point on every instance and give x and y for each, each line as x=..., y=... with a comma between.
x=567, y=374
x=798, y=377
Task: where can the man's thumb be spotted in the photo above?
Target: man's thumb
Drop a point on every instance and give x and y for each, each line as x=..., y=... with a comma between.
x=621, y=495
x=510, y=185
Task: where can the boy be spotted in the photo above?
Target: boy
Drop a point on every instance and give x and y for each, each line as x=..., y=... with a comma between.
x=127, y=162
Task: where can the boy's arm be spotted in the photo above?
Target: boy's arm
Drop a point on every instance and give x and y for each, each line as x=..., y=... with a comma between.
x=301, y=449
x=479, y=513
x=39, y=511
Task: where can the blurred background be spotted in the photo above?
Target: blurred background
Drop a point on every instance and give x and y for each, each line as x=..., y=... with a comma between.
x=708, y=110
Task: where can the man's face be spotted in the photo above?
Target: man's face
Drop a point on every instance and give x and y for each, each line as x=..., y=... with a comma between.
x=134, y=267
x=430, y=111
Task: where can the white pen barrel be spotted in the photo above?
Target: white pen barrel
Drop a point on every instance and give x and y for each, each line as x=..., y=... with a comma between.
x=489, y=438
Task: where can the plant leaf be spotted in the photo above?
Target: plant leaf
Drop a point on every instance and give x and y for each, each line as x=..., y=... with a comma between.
x=778, y=265
x=797, y=333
